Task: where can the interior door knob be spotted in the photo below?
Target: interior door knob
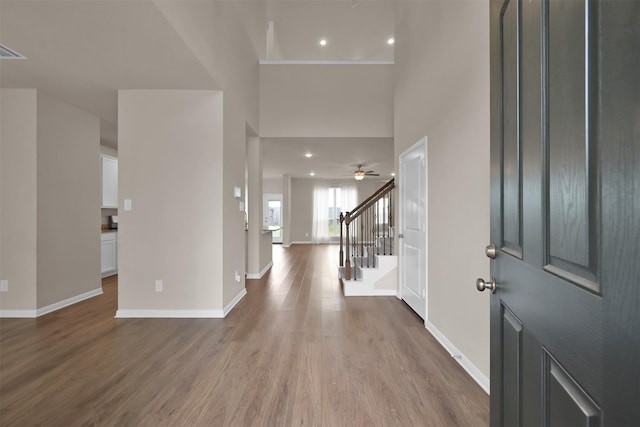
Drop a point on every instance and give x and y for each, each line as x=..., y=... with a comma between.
x=490, y=250
x=481, y=285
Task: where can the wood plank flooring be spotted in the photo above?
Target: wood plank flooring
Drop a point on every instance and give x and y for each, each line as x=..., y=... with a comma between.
x=294, y=351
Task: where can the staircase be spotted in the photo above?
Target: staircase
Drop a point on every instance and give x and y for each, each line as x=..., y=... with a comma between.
x=368, y=265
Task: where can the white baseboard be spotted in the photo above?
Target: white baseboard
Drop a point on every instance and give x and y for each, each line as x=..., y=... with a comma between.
x=309, y=242
x=471, y=369
x=234, y=301
x=69, y=301
x=262, y=273
x=169, y=314
x=17, y=314
x=50, y=308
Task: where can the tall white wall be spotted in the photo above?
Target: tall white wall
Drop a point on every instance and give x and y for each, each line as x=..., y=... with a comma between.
x=50, y=201
x=442, y=91
x=215, y=33
x=326, y=100
x=170, y=166
x=18, y=197
x=68, y=188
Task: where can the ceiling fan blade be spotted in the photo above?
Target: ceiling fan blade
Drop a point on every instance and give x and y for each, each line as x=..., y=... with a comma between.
x=372, y=174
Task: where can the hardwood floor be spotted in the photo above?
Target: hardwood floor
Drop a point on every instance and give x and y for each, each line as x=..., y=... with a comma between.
x=294, y=351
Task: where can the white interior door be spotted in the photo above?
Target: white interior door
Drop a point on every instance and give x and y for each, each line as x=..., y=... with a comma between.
x=272, y=212
x=413, y=230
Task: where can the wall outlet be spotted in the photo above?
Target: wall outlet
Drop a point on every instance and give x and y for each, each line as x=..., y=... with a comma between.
x=128, y=205
x=159, y=286
x=306, y=234
x=4, y=285
x=237, y=277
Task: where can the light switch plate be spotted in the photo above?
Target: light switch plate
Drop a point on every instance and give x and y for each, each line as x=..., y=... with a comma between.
x=237, y=192
x=4, y=286
x=241, y=205
x=128, y=205
x=159, y=286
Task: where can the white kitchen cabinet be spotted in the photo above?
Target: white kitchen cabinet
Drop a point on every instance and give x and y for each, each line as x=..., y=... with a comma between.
x=109, y=174
x=109, y=253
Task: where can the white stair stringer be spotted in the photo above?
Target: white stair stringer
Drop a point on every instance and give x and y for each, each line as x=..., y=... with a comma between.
x=379, y=281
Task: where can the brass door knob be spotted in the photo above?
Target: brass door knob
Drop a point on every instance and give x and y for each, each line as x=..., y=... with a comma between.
x=481, y=285
x=490, y=251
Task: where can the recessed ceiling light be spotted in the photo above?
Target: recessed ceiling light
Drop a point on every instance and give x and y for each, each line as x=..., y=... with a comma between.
x=393, y=174
x=312, y=173
x=323, y=42
x=308, y=155
x=390, y=41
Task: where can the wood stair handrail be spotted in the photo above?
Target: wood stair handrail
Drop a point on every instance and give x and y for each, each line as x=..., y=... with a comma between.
x=358, y=210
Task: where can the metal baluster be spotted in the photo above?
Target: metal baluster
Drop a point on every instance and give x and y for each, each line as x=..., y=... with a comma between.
x=390, y=221
x=368, y=213
x=384, y=228
x=347, y=266
x=341, y=250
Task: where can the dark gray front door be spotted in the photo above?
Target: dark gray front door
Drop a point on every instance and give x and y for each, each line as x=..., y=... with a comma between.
x=565, y=201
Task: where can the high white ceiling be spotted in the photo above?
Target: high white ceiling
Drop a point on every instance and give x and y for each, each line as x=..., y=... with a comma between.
x=354, y=30
x=84, y=51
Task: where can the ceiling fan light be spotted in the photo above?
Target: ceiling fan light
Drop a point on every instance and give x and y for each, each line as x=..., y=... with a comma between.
x=358, y=175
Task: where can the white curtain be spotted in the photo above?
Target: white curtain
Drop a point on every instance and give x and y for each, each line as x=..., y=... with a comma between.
x=349, y=196
x=320, y=214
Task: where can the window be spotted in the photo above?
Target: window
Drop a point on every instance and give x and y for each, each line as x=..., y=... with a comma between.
x=335, y=200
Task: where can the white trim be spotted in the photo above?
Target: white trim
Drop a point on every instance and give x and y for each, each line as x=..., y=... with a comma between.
x=398, y=295
x=466, y=364
x=69, y=301
x=262, y=273
x=234, y=301
x=286, y=245
x=24, y=314
x=309, y=242
x=166, y=314
x=321, y=62
x=17, y=314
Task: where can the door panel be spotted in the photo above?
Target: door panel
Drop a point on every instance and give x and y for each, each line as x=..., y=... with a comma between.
x=511, y=188
x=565, y=402
x=570, y=165
x=511, y=367
x=565, y=144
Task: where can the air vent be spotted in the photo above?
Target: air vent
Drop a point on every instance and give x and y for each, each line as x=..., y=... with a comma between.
x=6, y=53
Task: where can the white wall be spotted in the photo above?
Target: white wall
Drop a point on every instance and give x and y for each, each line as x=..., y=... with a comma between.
x=259, y=244
x=50, y=200
x=170, y=166
x=68, y=187
x=214, y=31
x=272, y=185
x=326, y=100
x=18, y=198
x=442, y=91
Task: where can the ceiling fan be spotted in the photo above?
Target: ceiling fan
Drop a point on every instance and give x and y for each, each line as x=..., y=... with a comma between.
x=360, y=174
